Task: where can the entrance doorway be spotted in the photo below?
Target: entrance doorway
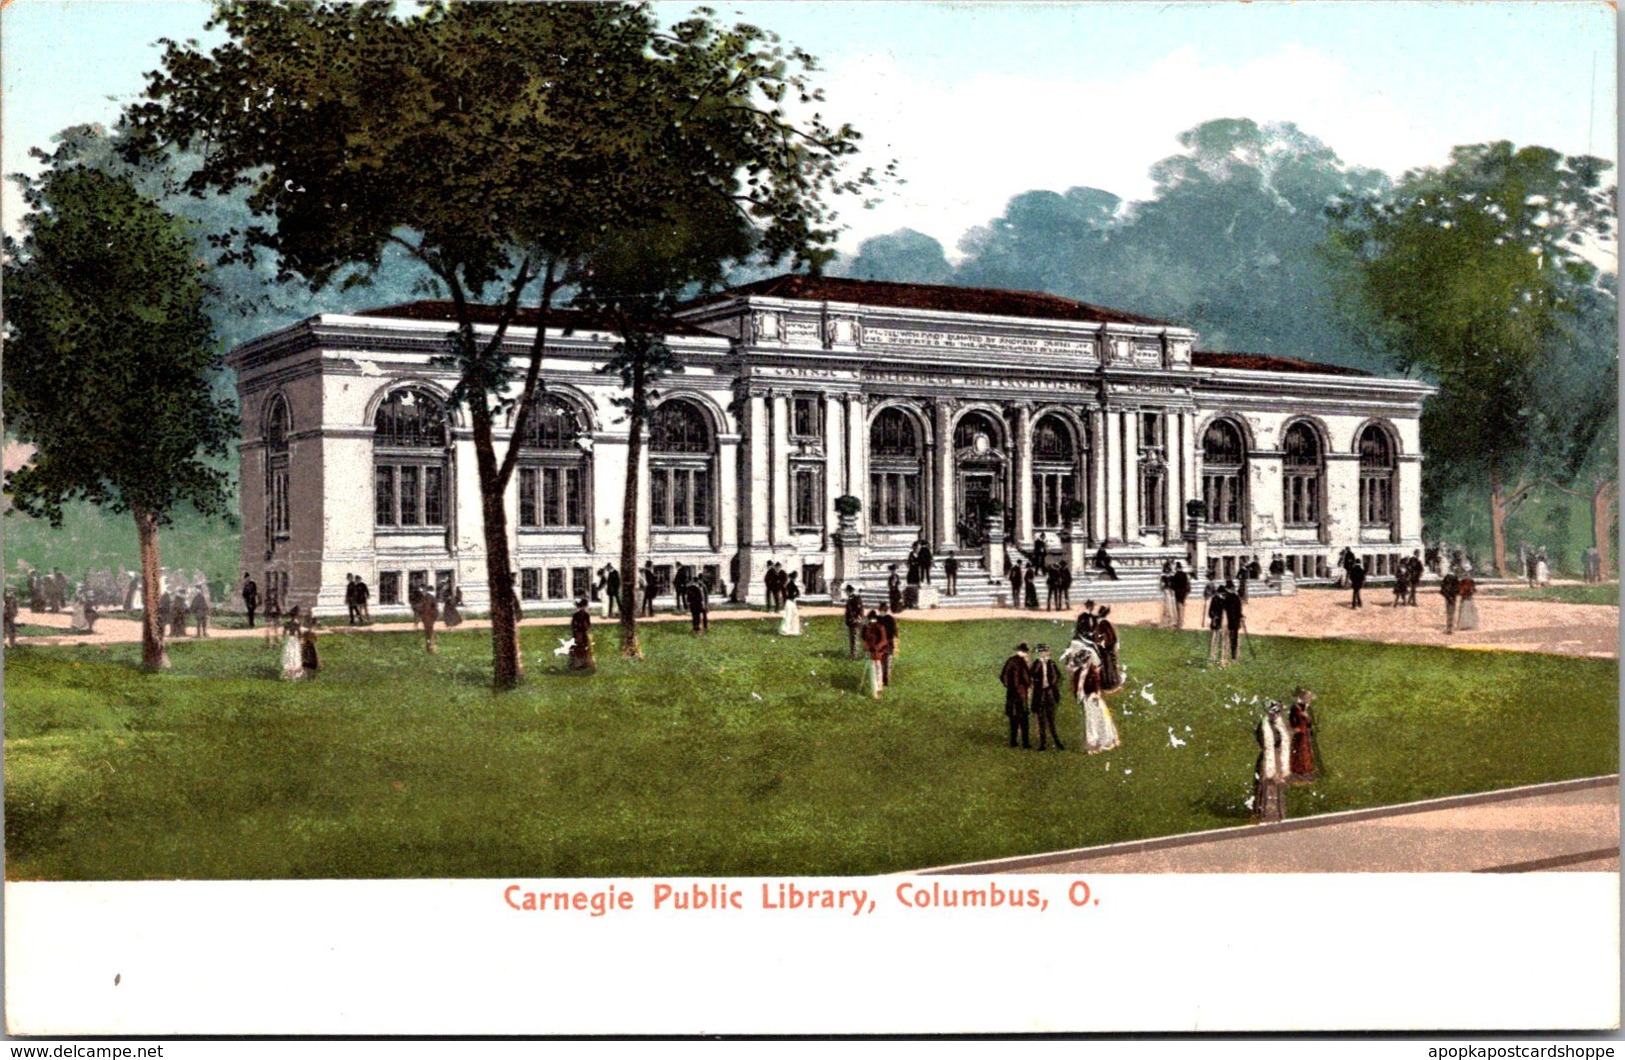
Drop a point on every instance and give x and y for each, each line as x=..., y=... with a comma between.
x=978, y=489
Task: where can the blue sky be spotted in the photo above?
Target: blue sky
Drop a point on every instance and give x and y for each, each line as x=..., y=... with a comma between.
x=980, y=101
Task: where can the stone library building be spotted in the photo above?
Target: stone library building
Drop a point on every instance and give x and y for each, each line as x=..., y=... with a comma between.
x=828, y=425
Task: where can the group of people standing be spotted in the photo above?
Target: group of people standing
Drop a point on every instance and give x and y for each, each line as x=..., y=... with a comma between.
x=875, y=632
x=1460, y=607
x=1024, y=584
x=1408, y=578
x=1032, y=686
x=1286, y=755
x=1176, y=589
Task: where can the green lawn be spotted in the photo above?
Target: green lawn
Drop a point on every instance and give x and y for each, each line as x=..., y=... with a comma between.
x=742, y=753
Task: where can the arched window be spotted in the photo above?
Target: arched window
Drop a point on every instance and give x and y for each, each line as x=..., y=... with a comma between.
x=278, y=425
x=1376, y=477
x=894, y=470
x=1153, y=471
x=680, y=454
x=411, y=436
x=1300, y=475
x=1055, y=461
x=552, y=466
x=1224, y=455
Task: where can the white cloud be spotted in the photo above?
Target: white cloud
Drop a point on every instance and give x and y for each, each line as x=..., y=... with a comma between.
x=966, y=146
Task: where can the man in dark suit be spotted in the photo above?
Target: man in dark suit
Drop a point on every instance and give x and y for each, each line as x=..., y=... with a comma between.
x=1182, y=591
x=926, y=560
x=699, y=606
x=363, y=596
x=612, y=586
x=1356, y=573
x=775, y=587
x=854, y=620
x=950, y=572
x=1017, y=679
x=1046, y=680
x=647, y=609
x=351, y=604
x=1233, y=603
x=1016, y=581
x=1416, y=568
x=1216, y=608
x=894, y=590
x=251, y=597
x=888, y=622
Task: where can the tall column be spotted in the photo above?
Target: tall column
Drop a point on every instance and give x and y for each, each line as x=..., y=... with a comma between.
x=1024, y=473
x=1114, y=476
x=755, y=498
x=1193, y=449
x=1098, y=459
x=857, y=454
x=781, y=469
x=725, y=523
x=1173, y=455
x=1131, y=475
x=947, y=518
x=834, y=457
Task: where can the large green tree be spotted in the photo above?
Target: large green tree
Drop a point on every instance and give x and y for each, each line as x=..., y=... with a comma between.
x=497, y=145
x=109, y=364
x=1469, y=274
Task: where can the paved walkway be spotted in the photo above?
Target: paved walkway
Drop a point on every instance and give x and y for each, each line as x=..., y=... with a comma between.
x=1567, y=826
x=1586, y=630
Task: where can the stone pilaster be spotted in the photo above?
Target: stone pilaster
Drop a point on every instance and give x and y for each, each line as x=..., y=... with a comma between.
x=1097, y=476
x=1024, y=474
x=1113, y=459
x=1131, y=475
x=780, y=462
x=946, y=515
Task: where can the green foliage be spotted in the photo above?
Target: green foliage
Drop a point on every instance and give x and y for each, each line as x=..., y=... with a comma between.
x=1470, y=275
x=672, y=766
x=110, y=354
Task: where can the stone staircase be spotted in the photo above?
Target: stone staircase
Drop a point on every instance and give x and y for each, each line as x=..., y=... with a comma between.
x=980, y=588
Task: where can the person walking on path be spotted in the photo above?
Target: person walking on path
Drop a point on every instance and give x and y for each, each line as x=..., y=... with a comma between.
x=200, y=610
x=647, y=610
x=352, y=602
x=251, y=597
x=1017, y=679
x=612, y=590
x=1467, y=608
x=1046, y=695
x=1450, y=589
x=1182, y=591
x=854, y=621
x=790, y=617
x=1356, y=573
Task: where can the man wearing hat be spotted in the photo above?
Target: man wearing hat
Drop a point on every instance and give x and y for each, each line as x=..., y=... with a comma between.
x=1017, y=679
x=854, y=621
x=1046, y=678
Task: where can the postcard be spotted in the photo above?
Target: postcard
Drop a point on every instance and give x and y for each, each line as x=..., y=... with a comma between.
x=810, y=518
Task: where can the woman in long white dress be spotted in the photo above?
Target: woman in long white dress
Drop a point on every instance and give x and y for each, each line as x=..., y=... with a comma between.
x=293, y=660
x=1099, y=731
x=1467, y=610
x=1543, y=571
x=790, y=617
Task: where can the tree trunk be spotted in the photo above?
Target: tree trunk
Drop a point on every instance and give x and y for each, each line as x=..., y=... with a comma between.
x=1603, y=497
x=630, y=649
x=505, y=662
x=154, y=656
x=1498, y=518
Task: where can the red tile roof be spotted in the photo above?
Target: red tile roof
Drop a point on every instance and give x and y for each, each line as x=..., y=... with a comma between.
x=983, y=301
x=564, y=318
x=1262, y=362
